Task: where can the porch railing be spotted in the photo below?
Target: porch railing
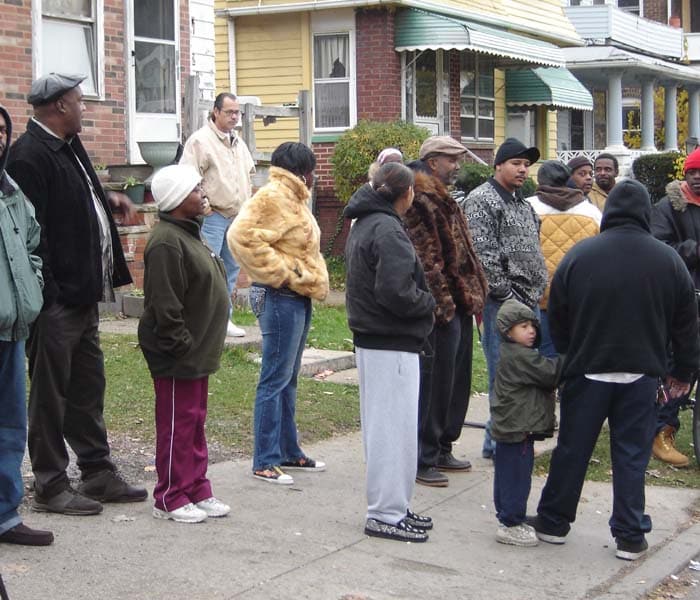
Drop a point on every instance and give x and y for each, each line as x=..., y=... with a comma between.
x=567, y=155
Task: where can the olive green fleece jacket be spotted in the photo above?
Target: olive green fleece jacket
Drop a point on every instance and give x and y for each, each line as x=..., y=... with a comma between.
x=522, y=403
x=183, y=326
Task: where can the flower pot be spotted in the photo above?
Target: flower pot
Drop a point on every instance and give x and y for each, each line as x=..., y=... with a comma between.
x=132, y=306
x=136, y=192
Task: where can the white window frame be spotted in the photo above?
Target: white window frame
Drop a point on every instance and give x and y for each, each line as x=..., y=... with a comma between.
x=521, y=123
x=610, y=2
x=478, y=58
x=98, y=30
x=341, y=22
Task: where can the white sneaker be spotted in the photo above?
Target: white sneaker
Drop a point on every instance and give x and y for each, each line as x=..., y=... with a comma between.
x=233, y=331
x=185, y=514
x=214, y=507
x=517, y=535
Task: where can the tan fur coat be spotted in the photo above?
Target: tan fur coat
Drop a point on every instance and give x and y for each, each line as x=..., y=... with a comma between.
x=276, y=239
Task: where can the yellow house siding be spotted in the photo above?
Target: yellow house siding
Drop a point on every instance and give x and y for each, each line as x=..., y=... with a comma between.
x=551, y=133
x=499, y=80
x=221, y=53
x=538, y=17
x=271, y=63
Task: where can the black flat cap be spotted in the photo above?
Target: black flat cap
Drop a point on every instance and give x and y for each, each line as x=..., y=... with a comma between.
x=513, y=148
x=51, y=87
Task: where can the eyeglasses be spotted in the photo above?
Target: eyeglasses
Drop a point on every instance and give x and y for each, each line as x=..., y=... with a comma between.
x=231, y=113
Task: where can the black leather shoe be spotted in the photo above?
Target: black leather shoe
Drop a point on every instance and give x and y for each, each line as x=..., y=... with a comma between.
x=110, y=486
x=26, y=536
x=431, y=477
x=447, y=462
x=67, y=502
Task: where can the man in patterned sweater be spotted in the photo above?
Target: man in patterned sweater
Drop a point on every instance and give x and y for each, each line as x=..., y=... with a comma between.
x=505, y=231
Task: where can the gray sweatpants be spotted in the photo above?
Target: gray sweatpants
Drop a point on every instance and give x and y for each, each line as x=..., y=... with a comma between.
x=389, y=382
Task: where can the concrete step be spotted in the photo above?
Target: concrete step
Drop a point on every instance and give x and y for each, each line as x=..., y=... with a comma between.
x=315, y=361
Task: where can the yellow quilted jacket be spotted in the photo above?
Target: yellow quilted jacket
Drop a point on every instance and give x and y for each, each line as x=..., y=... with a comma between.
x=276, y=239
x=560, y=230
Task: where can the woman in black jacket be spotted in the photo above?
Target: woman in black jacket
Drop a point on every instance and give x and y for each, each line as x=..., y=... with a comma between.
x=390, y=312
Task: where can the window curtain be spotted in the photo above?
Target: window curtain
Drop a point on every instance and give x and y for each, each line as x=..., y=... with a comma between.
x=331, y=56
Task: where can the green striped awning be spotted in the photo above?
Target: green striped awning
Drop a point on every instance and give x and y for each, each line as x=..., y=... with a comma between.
x=555, y=87
x=422, y=30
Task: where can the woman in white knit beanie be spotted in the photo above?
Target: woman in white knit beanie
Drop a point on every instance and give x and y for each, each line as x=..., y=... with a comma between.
x=181, y=334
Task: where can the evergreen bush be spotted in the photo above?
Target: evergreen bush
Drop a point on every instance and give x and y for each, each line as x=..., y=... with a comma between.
x=358, y=148
x=472, y=175
x=655, y=171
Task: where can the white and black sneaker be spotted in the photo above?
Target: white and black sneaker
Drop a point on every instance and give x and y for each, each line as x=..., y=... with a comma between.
x=418, y=521
x=631, y=550
x=402, y=531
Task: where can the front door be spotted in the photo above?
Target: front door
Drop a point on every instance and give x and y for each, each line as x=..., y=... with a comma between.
x=154, y=73
x=427, y=90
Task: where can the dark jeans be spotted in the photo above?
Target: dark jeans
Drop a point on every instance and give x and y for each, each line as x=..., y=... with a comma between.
x=66, y=396
x=445, y=385
x=667, y=414
x=513, y=465
x=630, y=410
x=546, y=344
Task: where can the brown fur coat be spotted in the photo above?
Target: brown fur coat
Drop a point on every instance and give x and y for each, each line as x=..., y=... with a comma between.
x=439, y=232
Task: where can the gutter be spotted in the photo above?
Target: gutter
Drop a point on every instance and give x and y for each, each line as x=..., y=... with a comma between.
x=436, y=7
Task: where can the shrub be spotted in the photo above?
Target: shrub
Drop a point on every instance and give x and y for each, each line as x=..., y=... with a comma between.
x=358, y=147
x=529, y=187
x=655, y=171
x=472, y=175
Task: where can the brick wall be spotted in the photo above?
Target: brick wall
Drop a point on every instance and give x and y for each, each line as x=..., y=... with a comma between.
x=378, y=99
x=104, y=121
x=655, y=10
x=378, y=66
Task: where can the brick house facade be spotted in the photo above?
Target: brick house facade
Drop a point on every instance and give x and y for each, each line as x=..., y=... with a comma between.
x=378, y=99
x=105, y=123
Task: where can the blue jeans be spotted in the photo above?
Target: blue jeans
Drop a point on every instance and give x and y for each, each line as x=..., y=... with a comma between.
x=13, y=431
x=491, y=343
x=631, y=414
x=284, y=319
x=214, y=231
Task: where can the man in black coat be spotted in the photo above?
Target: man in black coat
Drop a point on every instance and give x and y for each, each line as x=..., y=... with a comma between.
x=617, y=300
x=82, y=263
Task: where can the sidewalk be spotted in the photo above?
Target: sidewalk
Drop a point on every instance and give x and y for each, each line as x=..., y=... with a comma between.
x=306, y=541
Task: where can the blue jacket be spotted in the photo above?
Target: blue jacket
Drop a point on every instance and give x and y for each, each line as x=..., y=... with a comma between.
x=20, y=270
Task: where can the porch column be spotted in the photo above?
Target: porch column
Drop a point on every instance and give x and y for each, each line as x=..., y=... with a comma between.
x=670, y=117
x=647, y=119
x=694, y=112
x=614, y=113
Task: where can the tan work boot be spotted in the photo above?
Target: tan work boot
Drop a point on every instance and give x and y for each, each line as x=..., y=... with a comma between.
x=665, y=450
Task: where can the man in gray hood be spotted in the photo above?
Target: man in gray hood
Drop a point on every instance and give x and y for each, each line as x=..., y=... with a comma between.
x=20, y=303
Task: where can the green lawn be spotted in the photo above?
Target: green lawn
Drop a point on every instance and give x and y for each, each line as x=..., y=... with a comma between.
x=658, y=473
x=324, y=409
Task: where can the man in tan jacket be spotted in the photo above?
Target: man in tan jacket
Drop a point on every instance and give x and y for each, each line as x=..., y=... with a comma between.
x=225, y=164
